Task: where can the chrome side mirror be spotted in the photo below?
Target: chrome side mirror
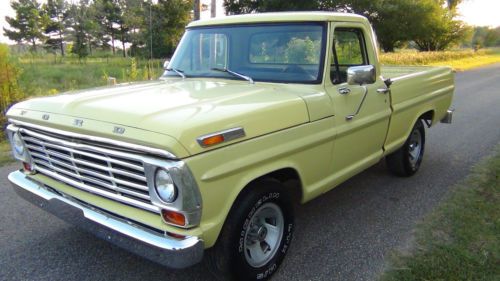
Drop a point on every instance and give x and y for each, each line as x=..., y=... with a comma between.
x=361, y=75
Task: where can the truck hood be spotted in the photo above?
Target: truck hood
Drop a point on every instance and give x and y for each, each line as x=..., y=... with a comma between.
x=182, y=109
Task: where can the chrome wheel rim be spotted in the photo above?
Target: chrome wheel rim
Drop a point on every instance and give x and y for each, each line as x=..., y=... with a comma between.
x=263, y=235
x=415, y=148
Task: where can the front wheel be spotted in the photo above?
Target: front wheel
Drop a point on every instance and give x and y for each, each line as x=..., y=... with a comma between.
x=256, y=234
x=406, y=161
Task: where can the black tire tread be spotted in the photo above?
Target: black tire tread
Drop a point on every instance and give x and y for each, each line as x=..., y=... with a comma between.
x=219, y=257
x=397, y=162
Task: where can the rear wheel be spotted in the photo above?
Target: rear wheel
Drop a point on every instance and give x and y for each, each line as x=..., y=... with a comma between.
x=406, y=161
x=256, y=234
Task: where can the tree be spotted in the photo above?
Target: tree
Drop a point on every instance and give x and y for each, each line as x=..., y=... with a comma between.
x=484, y=36
x=235, y=7
x=197, y=9
x=80, y=47
x=54, y=17
x=439, y=29
x=125, y=7
x=136, y=20
x=170, y=18
x=108, y=14
x=393, y=20
x=84, y=23
x=27, y=24
x=396, y=21
x=95, y=32
x=452, y=4
x=78, y=20
x=427, y=22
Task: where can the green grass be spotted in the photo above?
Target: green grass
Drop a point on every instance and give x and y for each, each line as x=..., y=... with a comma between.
x=43, y=76
x=461, y=239
x=458, y=59
x=5, y=153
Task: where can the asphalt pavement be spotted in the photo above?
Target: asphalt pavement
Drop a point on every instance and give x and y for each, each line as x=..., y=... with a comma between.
x=346, y=234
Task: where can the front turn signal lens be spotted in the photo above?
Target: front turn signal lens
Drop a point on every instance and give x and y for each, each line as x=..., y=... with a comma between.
x=173, y=217
x=213, y=140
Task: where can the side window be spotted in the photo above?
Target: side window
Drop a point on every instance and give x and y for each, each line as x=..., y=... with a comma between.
x=349, y=50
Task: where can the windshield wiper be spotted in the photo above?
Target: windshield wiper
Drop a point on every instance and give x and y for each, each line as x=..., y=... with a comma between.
x=178, y=71
x=236, y=74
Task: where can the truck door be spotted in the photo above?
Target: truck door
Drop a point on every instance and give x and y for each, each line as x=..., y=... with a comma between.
x=361, y=112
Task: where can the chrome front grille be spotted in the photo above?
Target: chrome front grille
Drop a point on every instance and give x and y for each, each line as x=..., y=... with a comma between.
x=110, y=173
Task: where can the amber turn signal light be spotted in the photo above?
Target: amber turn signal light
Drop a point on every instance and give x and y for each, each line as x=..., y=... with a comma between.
x=173, y=217
x=213, y=140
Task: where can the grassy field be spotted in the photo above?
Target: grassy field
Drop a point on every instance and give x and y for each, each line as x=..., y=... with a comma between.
x=460, y=60
x=461, y=239
x=44, y=76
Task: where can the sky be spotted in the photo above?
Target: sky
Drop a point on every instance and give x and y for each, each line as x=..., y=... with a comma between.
x=473, y=12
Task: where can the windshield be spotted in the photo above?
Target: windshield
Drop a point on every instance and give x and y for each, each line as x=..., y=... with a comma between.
x=287, y=53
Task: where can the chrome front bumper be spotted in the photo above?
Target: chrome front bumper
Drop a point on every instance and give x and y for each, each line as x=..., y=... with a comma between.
x=155, y=246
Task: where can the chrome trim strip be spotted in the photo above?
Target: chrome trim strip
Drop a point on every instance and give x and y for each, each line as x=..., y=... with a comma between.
x=77, y=175
x=93, y=165
x=64, y=146
x=229, y=135
x=97, y=191
x=89, y=172
x=136, y=147
x=156, y=246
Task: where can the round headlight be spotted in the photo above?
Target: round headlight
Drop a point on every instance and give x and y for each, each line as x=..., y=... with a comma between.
x=165, y=186
x=18, y=144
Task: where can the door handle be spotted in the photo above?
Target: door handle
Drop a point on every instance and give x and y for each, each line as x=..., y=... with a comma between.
x=383, y=90
x=344, y=91
x=351, y=116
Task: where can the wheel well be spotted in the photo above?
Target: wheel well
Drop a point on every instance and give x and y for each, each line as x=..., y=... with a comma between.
x=428, y=117
x=289, y=178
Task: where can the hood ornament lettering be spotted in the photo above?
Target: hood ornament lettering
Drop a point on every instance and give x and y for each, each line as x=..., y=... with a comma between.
x=119, y=130
x=78, y=122
x=45, y=117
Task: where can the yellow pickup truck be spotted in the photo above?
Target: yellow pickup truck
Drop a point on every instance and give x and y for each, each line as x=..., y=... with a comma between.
x=253, y=114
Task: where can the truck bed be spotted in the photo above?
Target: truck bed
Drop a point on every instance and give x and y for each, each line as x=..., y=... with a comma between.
x=397, y=71
x=413, y=89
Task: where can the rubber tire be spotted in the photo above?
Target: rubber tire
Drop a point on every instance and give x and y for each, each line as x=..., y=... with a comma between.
x=398, y=162
x=226, y=260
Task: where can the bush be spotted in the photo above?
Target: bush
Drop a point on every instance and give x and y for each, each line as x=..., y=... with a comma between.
x=9, y=89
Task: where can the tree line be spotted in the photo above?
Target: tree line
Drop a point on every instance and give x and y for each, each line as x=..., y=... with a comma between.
x=428, y=25
x=148, y=29
x=143, y=28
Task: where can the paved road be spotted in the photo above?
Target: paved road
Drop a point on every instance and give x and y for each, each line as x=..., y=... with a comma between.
x=344, y=235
